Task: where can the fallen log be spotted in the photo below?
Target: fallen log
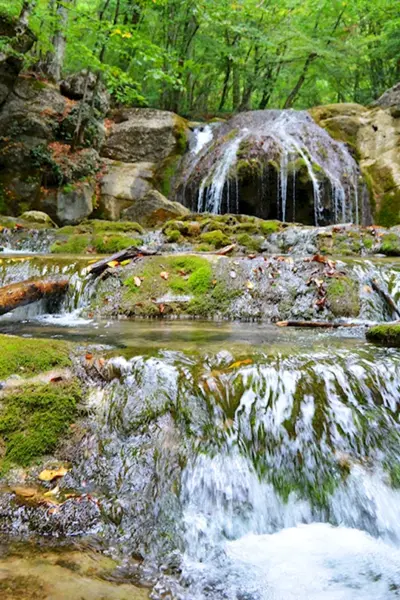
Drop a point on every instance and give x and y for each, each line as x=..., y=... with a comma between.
x=322, y=324
x=385, y=297
x=25, y=292
x=131, y=253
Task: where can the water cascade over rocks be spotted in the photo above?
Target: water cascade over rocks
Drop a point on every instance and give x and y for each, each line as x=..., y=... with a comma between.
x=275, y=164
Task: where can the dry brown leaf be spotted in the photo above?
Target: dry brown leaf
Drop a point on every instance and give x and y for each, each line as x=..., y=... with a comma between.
x=137, y=281
x=113, y=264
x=164, y=275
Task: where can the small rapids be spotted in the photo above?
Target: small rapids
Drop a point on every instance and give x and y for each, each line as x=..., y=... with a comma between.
x=233, y=476
x=273, y=164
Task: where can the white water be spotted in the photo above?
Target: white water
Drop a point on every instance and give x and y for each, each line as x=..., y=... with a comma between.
x=283, y=137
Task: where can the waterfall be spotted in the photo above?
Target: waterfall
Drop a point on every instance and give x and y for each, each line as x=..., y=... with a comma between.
x=285, y=145
x=226, y=467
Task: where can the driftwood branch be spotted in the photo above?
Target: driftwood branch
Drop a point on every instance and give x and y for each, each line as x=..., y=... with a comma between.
x=310, y=324
x=129, y=254
x=20, y=294
x=387, y=298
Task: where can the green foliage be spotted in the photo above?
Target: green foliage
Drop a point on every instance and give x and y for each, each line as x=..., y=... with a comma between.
x=200, y=58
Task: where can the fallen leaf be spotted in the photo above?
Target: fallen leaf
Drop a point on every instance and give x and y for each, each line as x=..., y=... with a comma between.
x=50, y=474
x=113, y=264
x=367, y=289
x=240, y=363
x=125, y=262
x=25, y=492
x=56, y=379
x=89, y=356
x=250, y=285
x=161, y=308
x=164, y=275
x=137, y=281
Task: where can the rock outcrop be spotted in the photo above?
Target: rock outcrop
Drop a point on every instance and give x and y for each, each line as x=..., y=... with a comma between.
x=373, y=134
x=145, y=135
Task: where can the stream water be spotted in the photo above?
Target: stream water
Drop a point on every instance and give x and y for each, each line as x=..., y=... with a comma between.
x=242, y=461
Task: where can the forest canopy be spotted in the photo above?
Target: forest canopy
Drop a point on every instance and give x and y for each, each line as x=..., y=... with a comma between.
x=209, y=57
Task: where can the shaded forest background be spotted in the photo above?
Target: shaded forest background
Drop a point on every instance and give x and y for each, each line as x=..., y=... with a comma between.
x=210, y=57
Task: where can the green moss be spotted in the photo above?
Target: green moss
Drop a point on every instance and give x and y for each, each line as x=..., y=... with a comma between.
x=76, y=244
x=98, y=226
x=217, y=238
x=268, y=227
x=109, y=244
x=389, y=212
x=33, y=419
x=217, y=302
x=249, y=242
x=173, y=236
x=389, y=335
x=390, y=244
x=28, y=357
x=343, y=297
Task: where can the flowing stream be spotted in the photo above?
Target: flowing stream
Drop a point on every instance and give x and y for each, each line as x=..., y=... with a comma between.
x=242, y=462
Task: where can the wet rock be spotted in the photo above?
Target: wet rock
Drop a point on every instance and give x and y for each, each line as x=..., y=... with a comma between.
x=154, y=209
x=122, y=185
x=145, y=135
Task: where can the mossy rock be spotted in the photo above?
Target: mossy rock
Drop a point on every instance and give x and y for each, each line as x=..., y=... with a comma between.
x=269, y=227
x=388, y=335
x=216, y=238
x=34, y=416
x=33, y=419
x=390, y=245
x=102, y=241
x=252, y=243
x=28, y=357
x=343, y=297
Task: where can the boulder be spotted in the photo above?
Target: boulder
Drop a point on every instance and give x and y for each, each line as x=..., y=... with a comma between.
x=37, y=216
x=123, y=184
x=145, y=135
x=74, y=203
x=154, y=209
x=390, y=99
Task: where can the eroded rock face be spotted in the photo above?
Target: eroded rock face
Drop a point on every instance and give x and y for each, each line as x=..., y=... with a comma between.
x=122, y=185
x=154, y=209
x=374, y=136
x=145, y=135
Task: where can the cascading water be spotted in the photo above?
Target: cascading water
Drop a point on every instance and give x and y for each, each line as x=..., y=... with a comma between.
x=267, y=478
x=273, y=164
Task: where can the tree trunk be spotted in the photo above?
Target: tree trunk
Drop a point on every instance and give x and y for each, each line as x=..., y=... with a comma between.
x=236, y=88
x=294, y=93
x=55, y=59
x=23, y=19
x=20, y=294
